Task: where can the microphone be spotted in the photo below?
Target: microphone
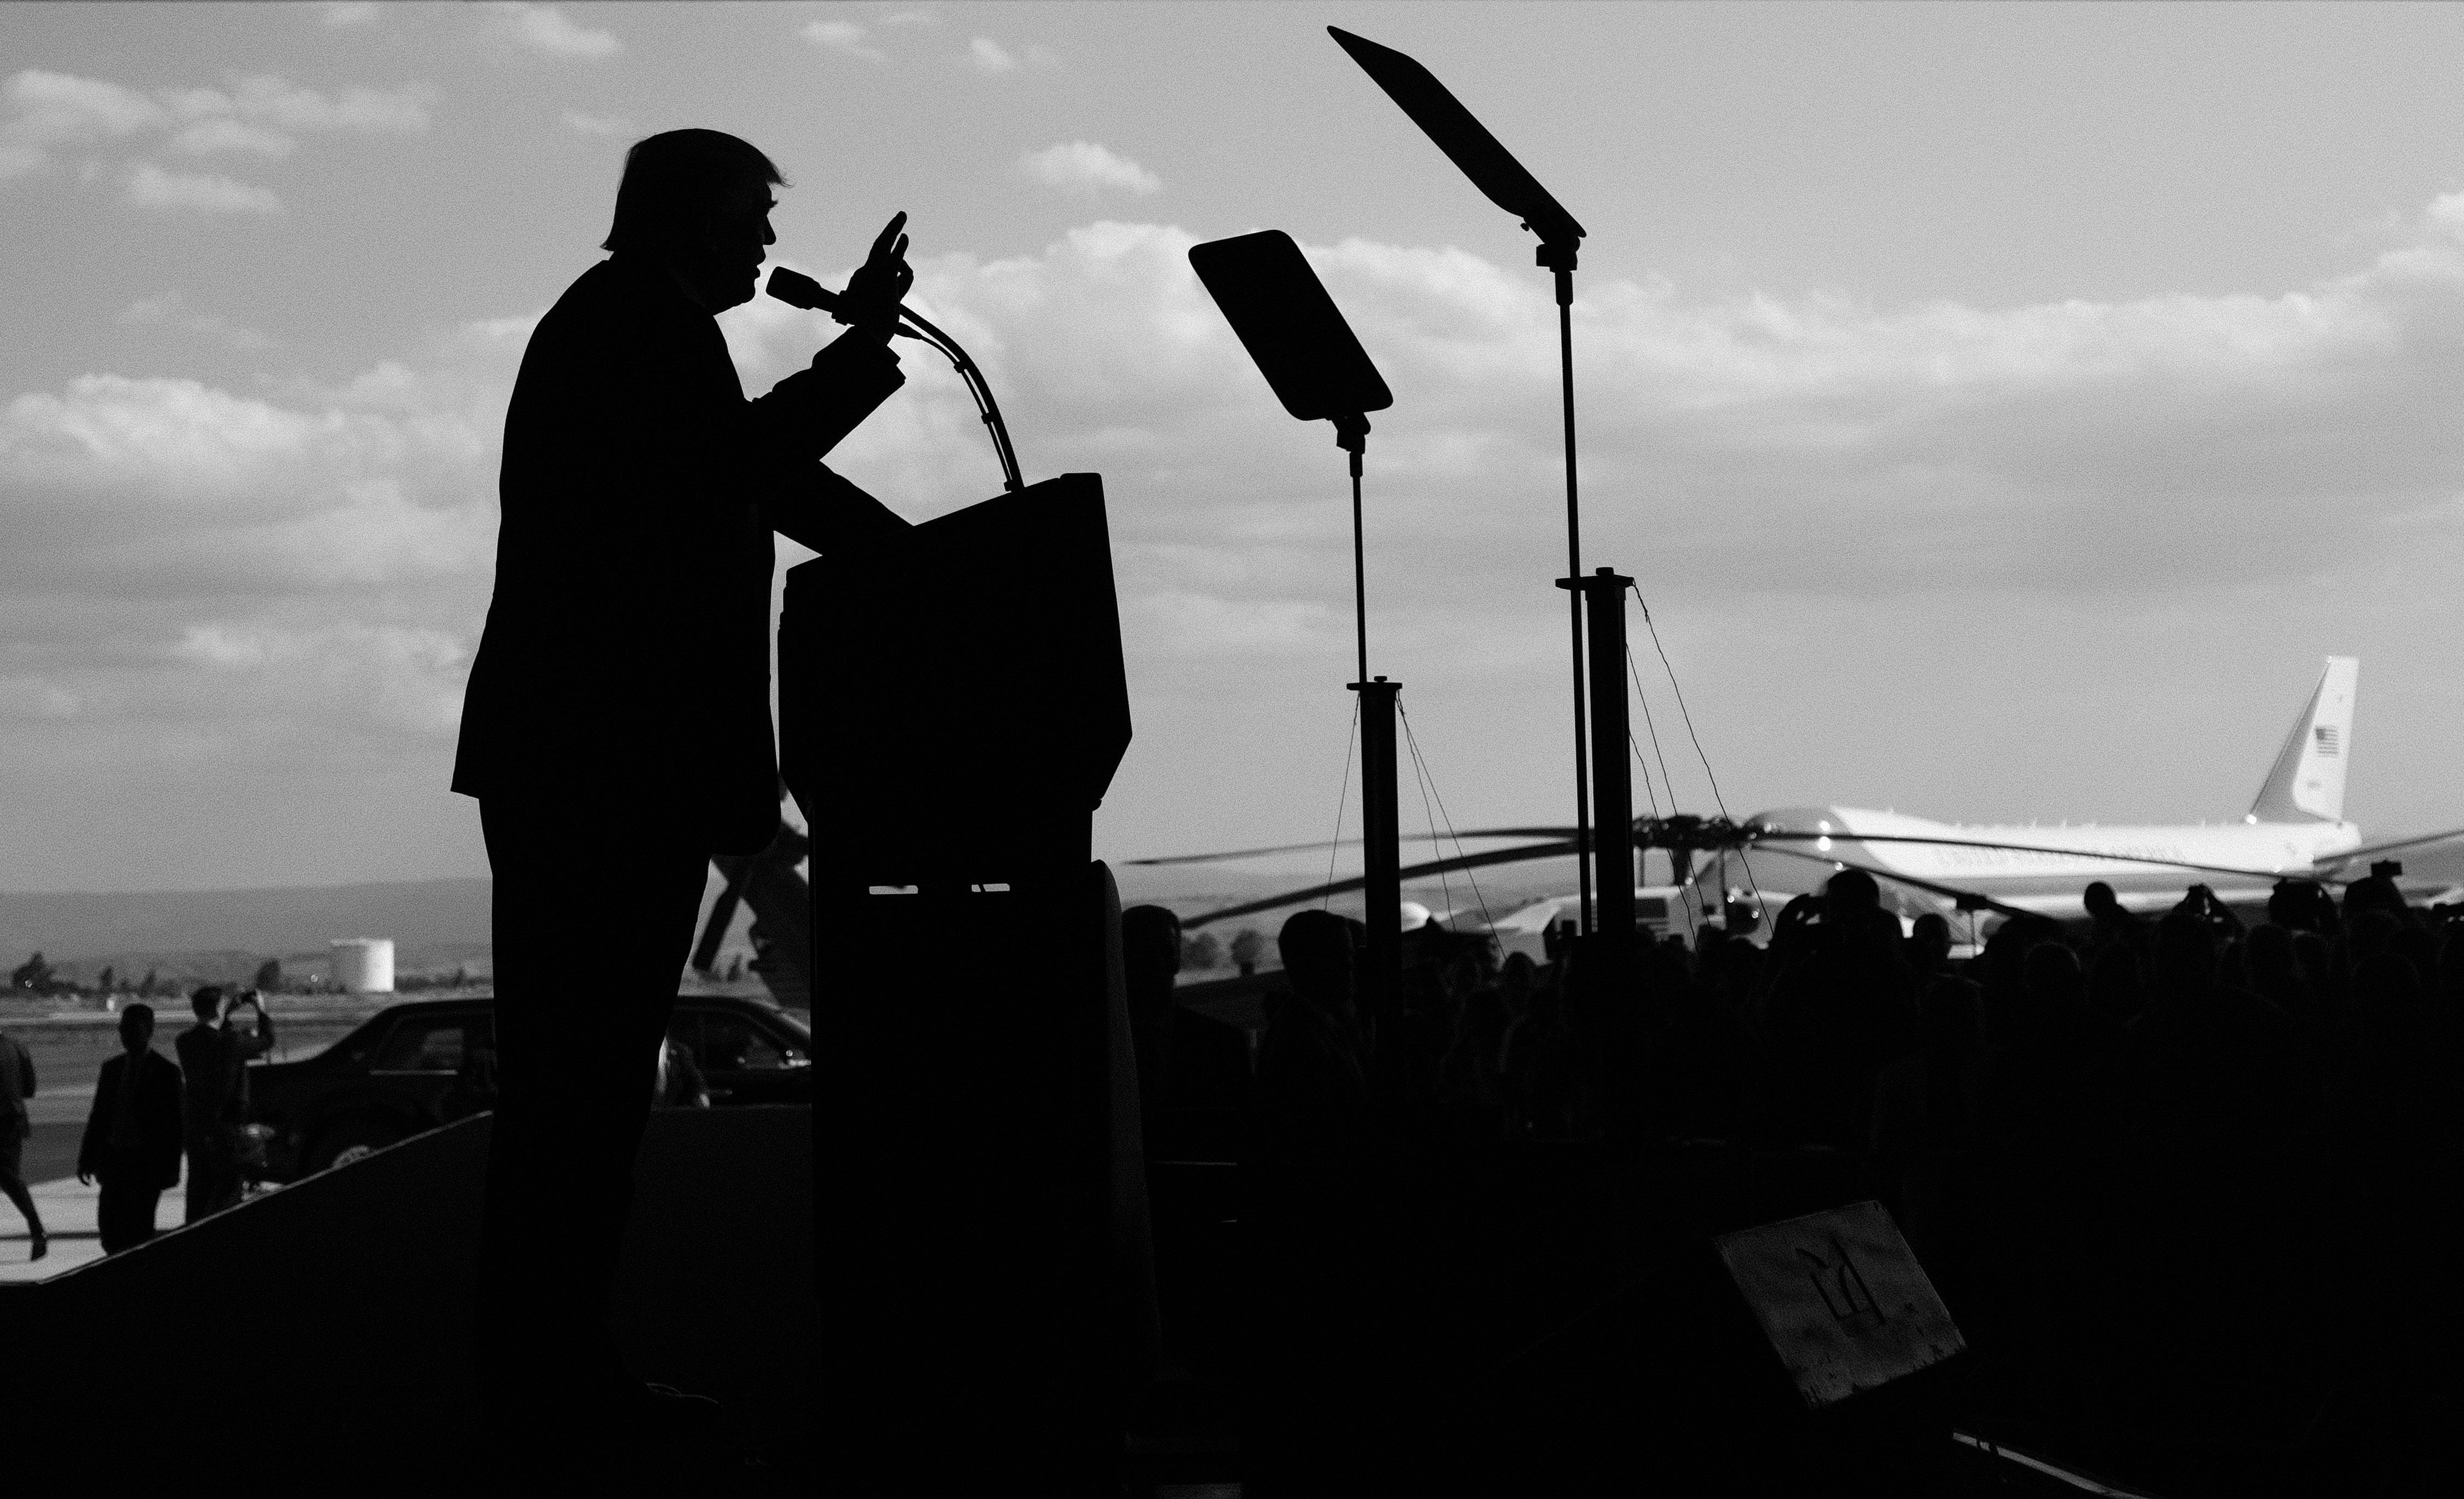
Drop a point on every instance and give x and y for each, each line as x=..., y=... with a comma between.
x=798, y=290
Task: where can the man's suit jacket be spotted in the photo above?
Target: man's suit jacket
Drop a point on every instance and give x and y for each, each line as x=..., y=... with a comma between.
x=213, y=1075
x=155, y=1162
x=625, y=668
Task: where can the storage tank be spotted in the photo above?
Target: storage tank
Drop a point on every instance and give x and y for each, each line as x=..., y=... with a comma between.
x=363, y=964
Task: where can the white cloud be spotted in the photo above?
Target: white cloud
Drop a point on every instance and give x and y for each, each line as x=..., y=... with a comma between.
x=50, y=113
x=169, y=309
x=223, y=133
x=376, y=678
x=1085, y=167
x=150, y=186
x=272, y=101
x=993, y=60
x=844, y=36
x=598, y=124
x=48, y=110
x=291, y=577
x=318, y=557
x=546, y=30
x=1779, y=444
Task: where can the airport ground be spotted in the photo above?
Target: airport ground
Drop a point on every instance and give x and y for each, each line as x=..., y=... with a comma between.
x=69, y=1050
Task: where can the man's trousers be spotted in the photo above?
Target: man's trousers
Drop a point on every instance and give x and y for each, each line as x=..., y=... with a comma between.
x=213, y=1177
x=125, y=1214
x=593, y=922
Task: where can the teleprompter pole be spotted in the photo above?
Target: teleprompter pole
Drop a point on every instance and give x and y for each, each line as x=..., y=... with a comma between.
x=1560, y=259
x=1603, y=597
x=1381, y=861
x=1503, y=181
x=1381, y=826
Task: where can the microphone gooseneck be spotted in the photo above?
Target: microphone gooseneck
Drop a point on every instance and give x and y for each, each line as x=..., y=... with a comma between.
x=799, y=290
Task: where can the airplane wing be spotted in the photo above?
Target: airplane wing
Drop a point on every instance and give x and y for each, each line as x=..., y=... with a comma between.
x=1964, y=898
x=1468, y=861
x=2373, y=850
x=1349, y=842
x=1766, y=839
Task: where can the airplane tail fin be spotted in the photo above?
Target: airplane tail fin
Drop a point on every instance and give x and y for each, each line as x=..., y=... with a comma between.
x=2307, y=784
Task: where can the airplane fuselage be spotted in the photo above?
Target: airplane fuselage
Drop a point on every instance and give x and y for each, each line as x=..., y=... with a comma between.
x=2036, y=862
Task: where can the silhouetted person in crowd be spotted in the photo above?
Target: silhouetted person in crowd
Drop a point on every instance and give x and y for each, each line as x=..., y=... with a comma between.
x=2447, y=991
x=2373, y=891
x=1306, y=1221
x=1312, y=1088
x=1929, y=947
x=1839, y=1010
x=213, y=1065
x=2053, y=1081
x=2301, y=906
x=17, y=1083
x=2001, y=971
x=617, y=728
x=2110, y=924
x=1471, y=1079
x=1150, y=968
x=132, y=1134
x=1186, y=1061
x=2113, y=985
x=1927, y=1106
x=2217, y=1063
x=2272, y=968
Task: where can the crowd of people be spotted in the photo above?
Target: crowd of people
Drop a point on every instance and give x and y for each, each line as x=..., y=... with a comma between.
x=2187, y=1183
x=148, y=1113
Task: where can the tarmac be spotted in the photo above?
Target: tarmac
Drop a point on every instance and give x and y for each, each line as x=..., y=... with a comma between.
x=57, y=1115
x=68, y=1210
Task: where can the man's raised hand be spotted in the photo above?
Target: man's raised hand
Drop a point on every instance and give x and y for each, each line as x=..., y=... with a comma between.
x=873, y=294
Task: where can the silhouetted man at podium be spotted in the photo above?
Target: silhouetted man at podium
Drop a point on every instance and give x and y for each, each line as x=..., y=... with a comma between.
x=617, y=733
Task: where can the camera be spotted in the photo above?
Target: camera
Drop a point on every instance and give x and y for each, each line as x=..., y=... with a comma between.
x=2201, y=901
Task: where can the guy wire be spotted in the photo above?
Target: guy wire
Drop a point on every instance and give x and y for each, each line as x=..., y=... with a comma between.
x=1716, y=799
x=1429, y=782
x=1652, y=729
x=1421, y=779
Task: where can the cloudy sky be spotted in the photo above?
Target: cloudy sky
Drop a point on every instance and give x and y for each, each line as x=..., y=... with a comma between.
x=2003, y=408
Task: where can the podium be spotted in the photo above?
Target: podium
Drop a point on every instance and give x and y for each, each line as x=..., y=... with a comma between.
x=952, y=706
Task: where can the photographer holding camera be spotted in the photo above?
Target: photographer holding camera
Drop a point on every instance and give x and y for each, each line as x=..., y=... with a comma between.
x=231, y=1027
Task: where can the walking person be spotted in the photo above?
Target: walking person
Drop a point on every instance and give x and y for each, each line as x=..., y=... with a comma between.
x=16, y=1085
x=213, y=1062
x=132, y=1135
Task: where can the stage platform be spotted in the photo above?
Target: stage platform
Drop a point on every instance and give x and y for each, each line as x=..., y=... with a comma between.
x=322, y=1333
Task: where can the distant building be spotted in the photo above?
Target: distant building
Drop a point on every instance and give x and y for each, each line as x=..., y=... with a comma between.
x=363, y=964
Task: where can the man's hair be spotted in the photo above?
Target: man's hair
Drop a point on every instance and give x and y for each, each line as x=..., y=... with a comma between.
x=207, y=1000
x=1316, y=949
x=673, y=178
x=135, y=1018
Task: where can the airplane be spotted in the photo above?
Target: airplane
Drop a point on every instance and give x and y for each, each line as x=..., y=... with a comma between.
x=2294, y=830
